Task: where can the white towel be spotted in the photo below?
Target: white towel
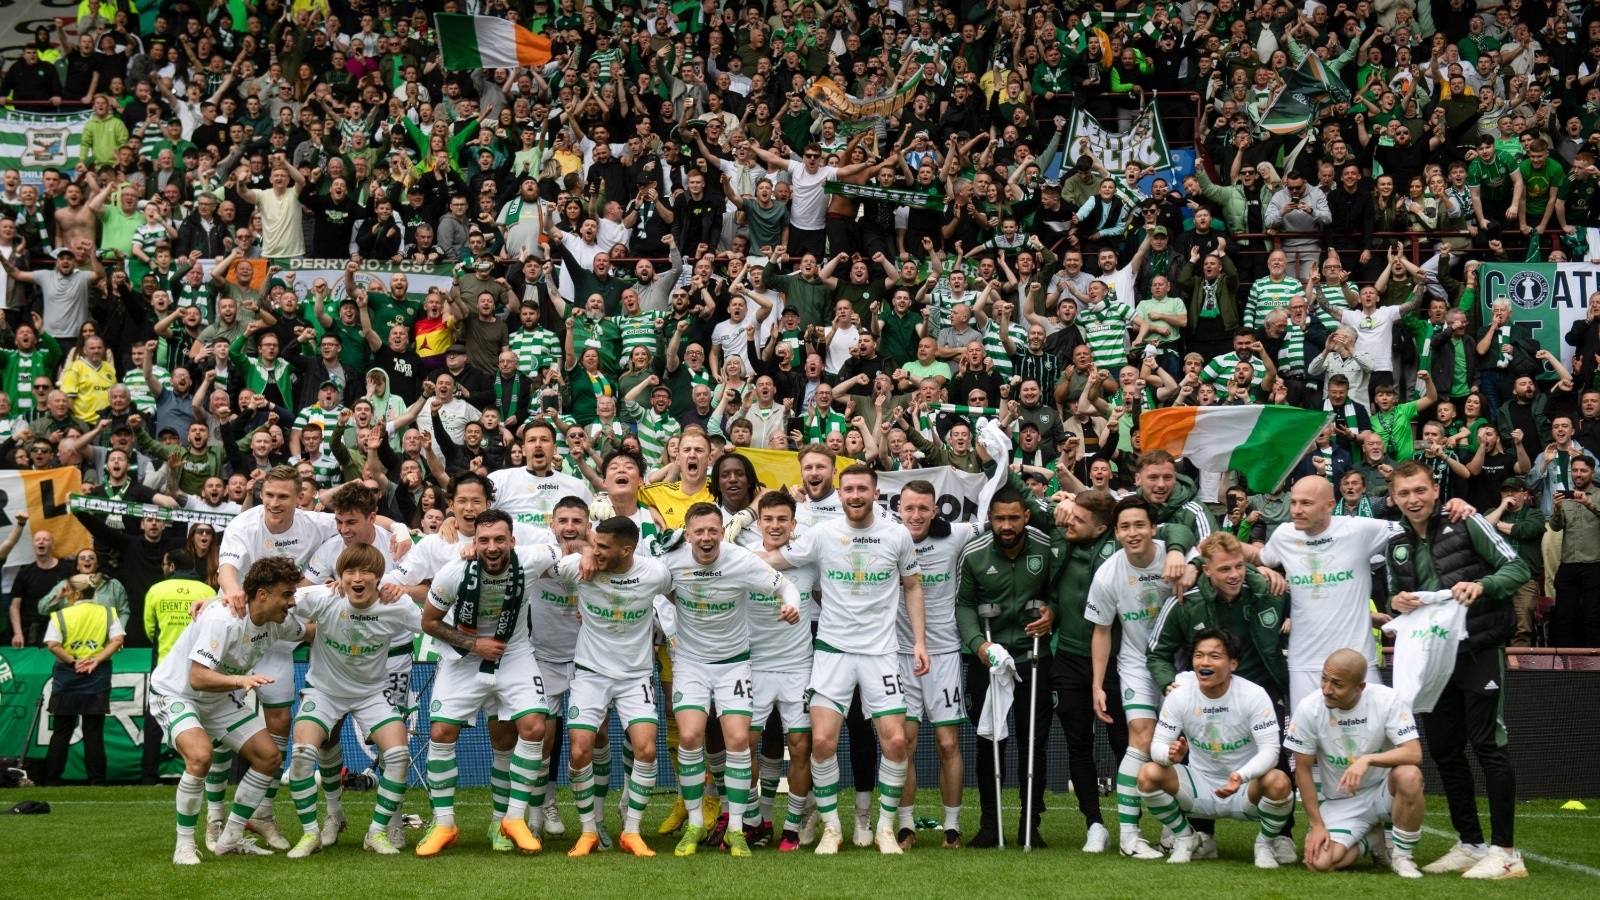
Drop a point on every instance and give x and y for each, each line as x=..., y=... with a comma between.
x=997, y=444
x=997, y=703
x=1425, y=642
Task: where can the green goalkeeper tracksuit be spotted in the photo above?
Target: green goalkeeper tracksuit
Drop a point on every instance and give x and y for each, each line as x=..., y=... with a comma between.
x=988, y=574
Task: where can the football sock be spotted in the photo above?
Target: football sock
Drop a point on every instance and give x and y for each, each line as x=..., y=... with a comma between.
x=500, y=782
x=738, y=783
x=303, y=784
x=825, y=786
x=217, y=783
x=190, y=796
x=771, y=769
x=795, y=811
x=391, y=786
x=582, y=781
x=442, y=775
x=891, y=778
x=246, y=799
x=527, y=760
x=717, y=765
x=330, y=765
x=264, y=808
x=641, y=783
x=602, y=775
x=1164, y=807
x=1128, y=791
x=692, y=782
x=952, y=818
x=1274, y=814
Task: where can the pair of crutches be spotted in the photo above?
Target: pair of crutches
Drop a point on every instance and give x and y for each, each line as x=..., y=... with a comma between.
x=988, y=612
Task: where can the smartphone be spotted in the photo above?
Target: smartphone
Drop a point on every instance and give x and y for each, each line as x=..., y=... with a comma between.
x=550, y=402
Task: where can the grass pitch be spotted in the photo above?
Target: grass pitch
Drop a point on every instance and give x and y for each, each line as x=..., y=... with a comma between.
x=117, y=842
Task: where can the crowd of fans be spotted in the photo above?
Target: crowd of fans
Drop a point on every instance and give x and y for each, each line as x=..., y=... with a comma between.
x=639, y=239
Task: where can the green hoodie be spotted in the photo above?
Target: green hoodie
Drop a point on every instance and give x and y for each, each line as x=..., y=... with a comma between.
x=385, y=405
x=1255, y=617
x=1183, y=509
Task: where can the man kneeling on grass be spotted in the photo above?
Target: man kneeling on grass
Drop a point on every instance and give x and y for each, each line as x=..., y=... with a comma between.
x=1215, y=753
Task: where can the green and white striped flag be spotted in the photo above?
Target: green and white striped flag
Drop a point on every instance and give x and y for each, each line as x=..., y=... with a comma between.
x=34, y=142
x=1145, y=143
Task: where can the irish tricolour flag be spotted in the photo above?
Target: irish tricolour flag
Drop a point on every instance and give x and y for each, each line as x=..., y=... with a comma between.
x=1260, y=442
x=485, y=42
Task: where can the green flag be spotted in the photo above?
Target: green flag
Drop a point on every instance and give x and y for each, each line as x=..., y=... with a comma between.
x=1310, y=89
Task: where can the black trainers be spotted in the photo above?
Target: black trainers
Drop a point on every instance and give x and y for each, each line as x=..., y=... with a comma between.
x=758, y=835
x=987, y=836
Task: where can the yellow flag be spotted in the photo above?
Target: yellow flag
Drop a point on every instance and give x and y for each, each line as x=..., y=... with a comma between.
x=47, y=492
x=781, y=468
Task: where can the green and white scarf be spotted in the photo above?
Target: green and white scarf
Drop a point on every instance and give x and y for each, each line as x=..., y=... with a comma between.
x=1363, y=508
x=467, y=610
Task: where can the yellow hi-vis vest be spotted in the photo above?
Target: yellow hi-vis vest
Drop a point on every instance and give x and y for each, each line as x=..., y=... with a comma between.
x=85, y=628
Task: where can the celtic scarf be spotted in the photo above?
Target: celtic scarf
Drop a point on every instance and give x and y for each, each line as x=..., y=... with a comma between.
x=467, y=610
x=1363, y=508
x=106, y=506
x=960, y=409
x=900, y=196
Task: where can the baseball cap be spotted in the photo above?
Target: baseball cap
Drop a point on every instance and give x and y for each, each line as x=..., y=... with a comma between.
x=1514, y=483
x=1159, y=231
x=327, y=383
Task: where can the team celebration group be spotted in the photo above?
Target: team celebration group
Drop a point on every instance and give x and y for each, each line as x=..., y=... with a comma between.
x=484, y=332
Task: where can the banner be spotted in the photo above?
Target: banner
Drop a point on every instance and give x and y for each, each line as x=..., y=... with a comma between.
x=853, y=116
x=1145, y=143
x=43, y=496
x=105, y=506
x=957, y=490
x=25, y=729
x=1546, y=298
x=34, y=142
x=901, y=196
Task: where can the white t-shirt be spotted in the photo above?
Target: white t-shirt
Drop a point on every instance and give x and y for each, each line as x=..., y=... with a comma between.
x=808, y=210
x=1379, y=721
x=454, y=416
x=1123, y=592
x=712, y=601
x=860, y=571
x=1374, y=334
x=618, y=616
x=224, y=643
x=350, y=655
x=1330, y=587
x=729, y=335
x=247, y=538
x=840, y=343
x=531, y=498
x=1237, y=732
x=937, y=558
x=280, y=223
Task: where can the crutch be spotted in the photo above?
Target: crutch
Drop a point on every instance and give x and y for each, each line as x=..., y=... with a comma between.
x=1033, y=606
x=988, y=612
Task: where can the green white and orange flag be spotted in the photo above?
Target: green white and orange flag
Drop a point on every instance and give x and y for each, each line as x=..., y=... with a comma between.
x=486, y=42
x=1262, y=443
